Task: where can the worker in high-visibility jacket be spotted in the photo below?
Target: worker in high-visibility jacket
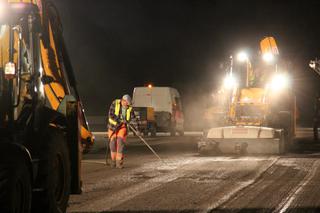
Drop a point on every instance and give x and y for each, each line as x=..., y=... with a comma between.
x=120, y=115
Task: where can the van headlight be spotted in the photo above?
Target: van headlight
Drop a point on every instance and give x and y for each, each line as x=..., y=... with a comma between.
x=279, y=82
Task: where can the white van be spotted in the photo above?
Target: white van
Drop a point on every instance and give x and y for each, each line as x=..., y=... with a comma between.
x=167, y=106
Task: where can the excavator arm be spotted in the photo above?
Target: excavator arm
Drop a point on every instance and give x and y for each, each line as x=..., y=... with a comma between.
x=60, y=69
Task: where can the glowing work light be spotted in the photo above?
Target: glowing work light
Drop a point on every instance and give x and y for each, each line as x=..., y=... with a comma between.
x=242, y=56
x=2, y=8
x=229, y=82
x=10, y=70
x=279, y=82
x=268, y=57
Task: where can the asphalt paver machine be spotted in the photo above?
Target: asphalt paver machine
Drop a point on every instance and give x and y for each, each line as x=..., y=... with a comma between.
x=260, y=108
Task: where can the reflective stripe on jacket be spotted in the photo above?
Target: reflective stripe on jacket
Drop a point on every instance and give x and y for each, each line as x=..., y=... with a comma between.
x=117, y=108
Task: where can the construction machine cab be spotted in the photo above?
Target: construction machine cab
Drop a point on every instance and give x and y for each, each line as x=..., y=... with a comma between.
x=34, y=64
x=20, y=65
x=41, y=114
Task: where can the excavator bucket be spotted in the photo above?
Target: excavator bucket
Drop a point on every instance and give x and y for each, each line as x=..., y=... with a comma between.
x=242, y=140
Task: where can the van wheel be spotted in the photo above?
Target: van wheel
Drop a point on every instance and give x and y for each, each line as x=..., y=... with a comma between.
x=173, y=132
x=145, y=133
x=203, y=152
x=15, y=185
x=153, y=131
x=54, y=174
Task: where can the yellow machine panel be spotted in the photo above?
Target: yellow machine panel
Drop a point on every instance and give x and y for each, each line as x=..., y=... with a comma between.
x=252, y=95
x=269, y=45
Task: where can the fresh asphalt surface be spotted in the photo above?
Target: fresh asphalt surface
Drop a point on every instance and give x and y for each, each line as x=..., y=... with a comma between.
x=187, y=182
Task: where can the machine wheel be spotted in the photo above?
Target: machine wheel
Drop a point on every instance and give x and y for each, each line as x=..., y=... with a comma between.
x=86, y=147
x=15, y=185
x=54, y=174
x=282, y=144
x=286, y=123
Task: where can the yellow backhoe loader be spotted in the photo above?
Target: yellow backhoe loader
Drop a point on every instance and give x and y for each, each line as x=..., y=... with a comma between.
x=43, y=129
x=260, y=111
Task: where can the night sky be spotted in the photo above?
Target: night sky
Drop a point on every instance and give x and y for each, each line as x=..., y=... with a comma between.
x=115, y=44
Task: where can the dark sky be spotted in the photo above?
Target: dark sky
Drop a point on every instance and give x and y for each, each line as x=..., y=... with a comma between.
x=116, y=45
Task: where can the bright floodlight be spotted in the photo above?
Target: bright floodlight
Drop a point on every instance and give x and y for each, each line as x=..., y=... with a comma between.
x=268, y=57
x=242, y=56
x=2, y=30
x=1, y=9
x=229, y=82
x=279, y=82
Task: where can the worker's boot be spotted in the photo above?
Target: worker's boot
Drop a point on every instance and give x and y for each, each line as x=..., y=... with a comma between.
x=112, y=163
x=119, y=164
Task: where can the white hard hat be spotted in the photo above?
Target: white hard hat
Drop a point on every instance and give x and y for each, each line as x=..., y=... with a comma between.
x=127, y=98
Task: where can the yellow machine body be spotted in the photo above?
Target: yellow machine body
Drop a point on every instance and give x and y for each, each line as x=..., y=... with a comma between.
x=258, y=118
x=56, y=90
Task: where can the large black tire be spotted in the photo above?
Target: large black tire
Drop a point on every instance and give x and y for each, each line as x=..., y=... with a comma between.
x=54, y=174
x=173, y=129
x=86, y=146
x=15, y=185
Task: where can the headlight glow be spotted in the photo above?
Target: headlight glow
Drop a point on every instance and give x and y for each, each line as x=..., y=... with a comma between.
x=268, y=57
x=229, y=82
x=242, y=56
x=279, y=82
x=3, y=10
x=2, y=30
